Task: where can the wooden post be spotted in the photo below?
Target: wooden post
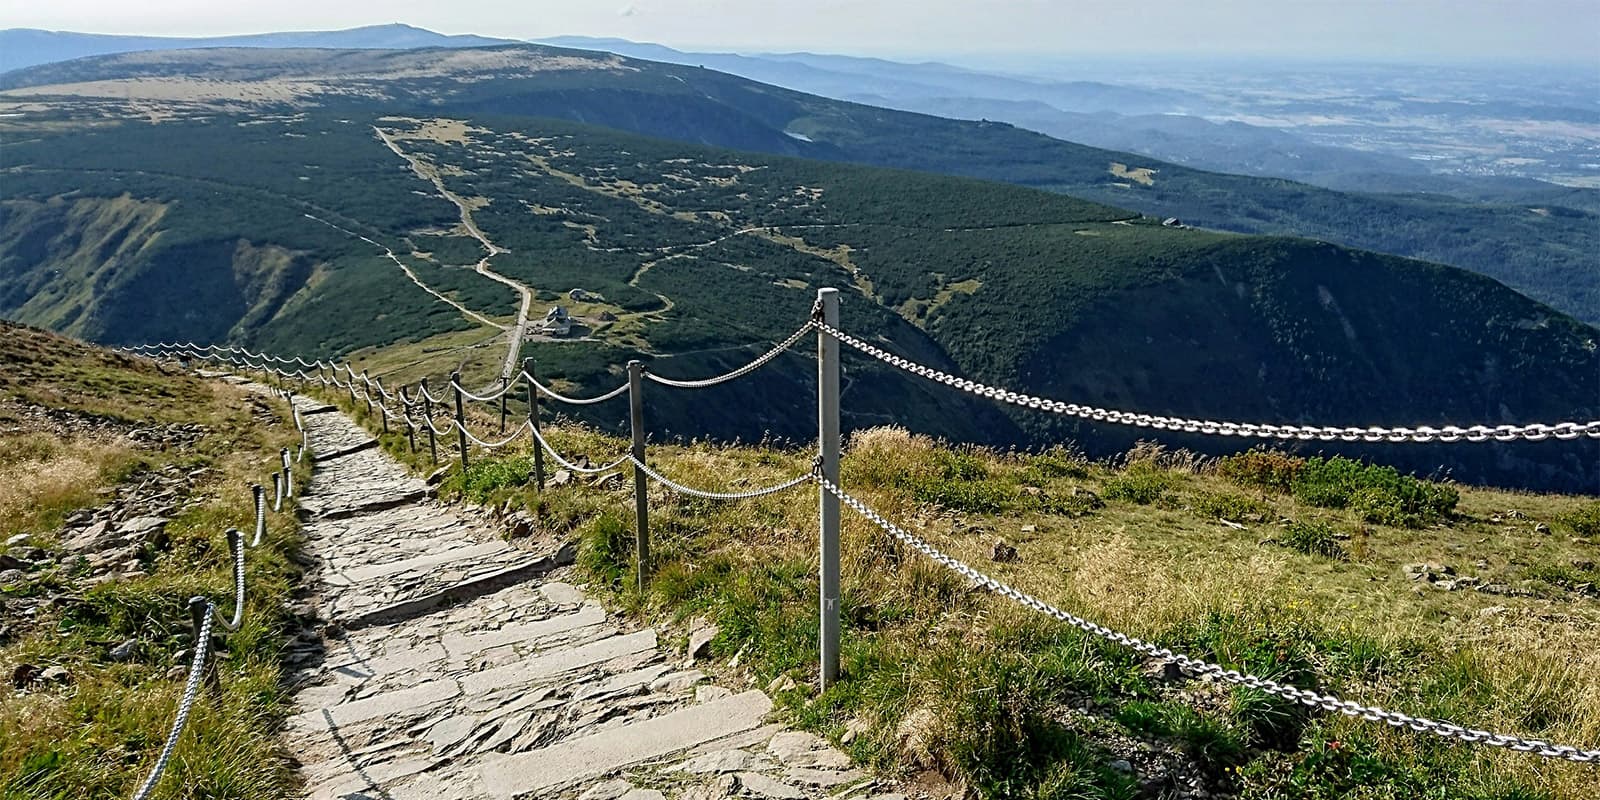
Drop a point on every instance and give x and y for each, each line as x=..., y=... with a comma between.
x=461, y=418
x=382, y=408
x=533, y=419
x=641, y=486
x=366, y=391
x=828, y=512
x=411, y=430
x=427, y=416
x=505, y=389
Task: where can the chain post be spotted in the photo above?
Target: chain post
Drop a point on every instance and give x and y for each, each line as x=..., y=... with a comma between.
x=427, y=415
x=533, y=420
x=288, y=473
x=461, y=418
x=383, y=408
x=828, y=511
x=366, y=390
x=261, y=513
x=277, y=492
x=641, y=486
x=411, y=428
x=505, y=389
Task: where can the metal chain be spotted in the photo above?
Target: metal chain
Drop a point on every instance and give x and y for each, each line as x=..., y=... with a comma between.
x=576, y=401
x=746, y=495
x=737, y=373
x=545, y=443
x=202, y=648
x=1195, y=666
x=1447, y=433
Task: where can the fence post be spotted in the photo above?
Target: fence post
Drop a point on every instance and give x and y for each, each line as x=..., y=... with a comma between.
x=427, y=416
x=533, y=420
x=461, y=418
x=828, y=441
x=261, y=513
x=288, y=474
x=411, y=428
x=505, y=389
x=366, y=390
x=383, y=408
x=641, y=486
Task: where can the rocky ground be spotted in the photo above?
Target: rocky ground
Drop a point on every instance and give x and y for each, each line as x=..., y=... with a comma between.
x=441, y=661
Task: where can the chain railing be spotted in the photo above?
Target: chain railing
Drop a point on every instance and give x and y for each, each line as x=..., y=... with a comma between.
x=825, y=471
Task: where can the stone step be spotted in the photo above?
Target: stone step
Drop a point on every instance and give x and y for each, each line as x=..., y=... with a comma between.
x=587, y=757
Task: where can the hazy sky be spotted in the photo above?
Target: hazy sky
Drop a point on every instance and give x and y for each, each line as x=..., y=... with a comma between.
x=1391, y=30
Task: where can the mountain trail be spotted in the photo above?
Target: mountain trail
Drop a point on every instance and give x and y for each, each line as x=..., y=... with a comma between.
x=456, y=665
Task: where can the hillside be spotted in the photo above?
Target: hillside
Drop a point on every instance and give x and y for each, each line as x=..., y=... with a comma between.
x=118, y=480
x=1543, y=249
x=325, y=234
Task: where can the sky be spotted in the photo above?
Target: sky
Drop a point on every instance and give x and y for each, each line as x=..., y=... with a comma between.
x=1381, y=30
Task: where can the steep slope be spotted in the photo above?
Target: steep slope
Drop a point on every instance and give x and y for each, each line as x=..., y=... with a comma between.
x=1544, y=249
x=695, y=258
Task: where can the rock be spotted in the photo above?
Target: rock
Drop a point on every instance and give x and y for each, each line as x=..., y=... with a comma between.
x=139, y=528
x=823, y=778
x=700, y=642
x=782, y=683
x=718, y=761
x=1541, y=528
x=707, y=693
x=8, y=576
x=124, y=651
x=1583, y=564
x=90, y=538
x=1121, y=765
x=21, y=538
x=791, y=745
x=855, y=727
x=521, y=527
x=608, y=481
x=20, y=555
x=561, y=478
x=1028, y=528
x=1492, y=611
x=607, y=790
x=758, y=784
x=1162, y=670
x=677, y=681
x=1002, y=552
x=56, y=675
x=643, y=794
x=24, y=675
x=437, y=476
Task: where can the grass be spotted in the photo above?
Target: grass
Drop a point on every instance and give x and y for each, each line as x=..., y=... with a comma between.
x=941, y=679
x=98, y=735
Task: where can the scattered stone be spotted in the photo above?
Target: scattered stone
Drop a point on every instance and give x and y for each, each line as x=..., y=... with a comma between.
x=1162, y=670
x=57, y=675
x=855, y=727
x=24, y=674
x=1121, y=765
x=561, y=478
x=124, y=651
x=825, y=778
x=644, y=794
x=1492, y=611
x=1541, y=528
x=1583, y=564
x=1028, y=528
x=21, y=538
x=1002, y=552
x=700, y=642
x=608, y=481
x=437, y=476
x=677, y=681
x=759, y=784
x=782, y=683
x=718, y=761
x=790, y=745
x=706, y=693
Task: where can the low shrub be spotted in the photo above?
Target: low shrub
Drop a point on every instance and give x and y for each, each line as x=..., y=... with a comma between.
x=1228, y=506
x=1076, y=503
x=1379, y=494
x=483, y=478
x=1262, y=469
x=1314, y=538
x=1057, y=462
x=1140, y=483
x=1585, y=521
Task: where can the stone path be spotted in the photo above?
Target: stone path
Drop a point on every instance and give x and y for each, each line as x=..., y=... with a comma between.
x=533, y=690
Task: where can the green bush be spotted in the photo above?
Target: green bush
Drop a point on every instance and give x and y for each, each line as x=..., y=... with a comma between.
x=1379, y=494
x=1139, y=483
x=1262, y=469
x=1585, y=521
x=1057, y=462
x=1072, y=504
x=1315, y=538
x=483, y=478
x=1228, y=506
x=959, y=481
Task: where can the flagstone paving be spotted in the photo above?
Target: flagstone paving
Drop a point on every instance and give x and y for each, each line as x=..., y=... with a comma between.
x=533, y=690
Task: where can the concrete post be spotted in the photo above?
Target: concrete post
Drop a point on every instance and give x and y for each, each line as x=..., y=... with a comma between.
x=641, y=485
x=828, y=441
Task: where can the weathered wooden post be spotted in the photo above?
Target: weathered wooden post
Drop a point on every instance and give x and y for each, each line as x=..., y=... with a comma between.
x=427, y=417
x=828, y=442
x=461, y=418
x=411, y=428
x=641, y=485
x=366, y=390
x=505, y=389
x=533, y=420
x=383, y=407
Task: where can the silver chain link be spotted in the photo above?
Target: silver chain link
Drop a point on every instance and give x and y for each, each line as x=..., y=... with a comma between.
x=1424, y=433
x=202, y=648
x=745, y=495
x=1195, y=666
x=758, y=363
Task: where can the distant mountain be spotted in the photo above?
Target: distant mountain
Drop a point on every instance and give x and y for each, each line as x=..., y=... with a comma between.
x=26, y=47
